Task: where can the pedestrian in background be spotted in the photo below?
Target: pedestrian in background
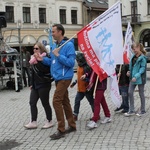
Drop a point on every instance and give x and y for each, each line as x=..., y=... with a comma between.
x=99, y=100
x=25, y=65
x=82, y=69
x=62, y=62
x=40, y=88
x=123, y=82
x=137, y=74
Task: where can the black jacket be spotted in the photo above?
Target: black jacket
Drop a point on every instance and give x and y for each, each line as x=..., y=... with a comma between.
x=124, y=79
x=40, y=76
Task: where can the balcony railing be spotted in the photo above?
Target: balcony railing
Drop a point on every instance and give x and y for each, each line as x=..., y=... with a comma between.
x=133, y=19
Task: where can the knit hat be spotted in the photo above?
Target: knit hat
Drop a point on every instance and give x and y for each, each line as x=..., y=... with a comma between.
x=80, y=59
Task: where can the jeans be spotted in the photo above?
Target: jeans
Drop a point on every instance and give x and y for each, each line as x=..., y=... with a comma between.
x=62, y=105
x=141, y=94
x=25, y=71
x=43, y=94
x=100, y=100
x=124, y=93
x=79, y=97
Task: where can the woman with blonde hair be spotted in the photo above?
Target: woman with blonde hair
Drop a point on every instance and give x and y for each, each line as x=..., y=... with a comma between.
x=40, y=88
x=137, y=75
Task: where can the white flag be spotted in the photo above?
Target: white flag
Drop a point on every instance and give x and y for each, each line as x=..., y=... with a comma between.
x=101, y=41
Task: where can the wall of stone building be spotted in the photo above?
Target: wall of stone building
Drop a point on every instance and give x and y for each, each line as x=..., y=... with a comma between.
x=35, y=30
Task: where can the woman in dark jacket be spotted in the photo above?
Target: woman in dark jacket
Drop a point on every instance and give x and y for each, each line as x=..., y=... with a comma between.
x=40, y=88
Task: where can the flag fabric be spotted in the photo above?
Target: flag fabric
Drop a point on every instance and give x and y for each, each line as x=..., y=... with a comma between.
x=127, y=51
x=101, y=41
x=115, y=95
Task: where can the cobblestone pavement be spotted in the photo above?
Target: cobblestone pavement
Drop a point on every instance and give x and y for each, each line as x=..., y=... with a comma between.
x=122, y=133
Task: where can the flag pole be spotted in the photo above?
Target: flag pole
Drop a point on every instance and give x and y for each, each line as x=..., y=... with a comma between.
x=66, y=42
x=95, y=86
x=119, y=73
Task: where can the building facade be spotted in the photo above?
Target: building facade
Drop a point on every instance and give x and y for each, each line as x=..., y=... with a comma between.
x=137, y=12
x=29, y=20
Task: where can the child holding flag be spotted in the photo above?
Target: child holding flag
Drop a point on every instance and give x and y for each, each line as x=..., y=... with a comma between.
x=123, y=81
x=99, y=100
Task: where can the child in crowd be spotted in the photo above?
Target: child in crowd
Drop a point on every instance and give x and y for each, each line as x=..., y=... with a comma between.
x=123, y=81
x=83, y=68
x=99, y=100
x=137, y=74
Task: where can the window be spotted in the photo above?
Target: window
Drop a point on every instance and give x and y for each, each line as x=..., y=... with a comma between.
x=9, y=14
x=62, y=13
x=148, y=7
x=134, y=11
x=134, y=7
x=42, y=15
x=74, y=16
x=26, y=15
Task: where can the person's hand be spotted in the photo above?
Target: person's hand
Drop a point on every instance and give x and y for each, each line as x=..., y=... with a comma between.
x=133, y=80
x=55, y=52
x=119, y=74
x=38, y=56
x=128, y=73
x=83, y=77
x=71, y=86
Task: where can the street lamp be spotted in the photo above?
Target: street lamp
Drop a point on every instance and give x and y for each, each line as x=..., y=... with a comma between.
x=19, y=38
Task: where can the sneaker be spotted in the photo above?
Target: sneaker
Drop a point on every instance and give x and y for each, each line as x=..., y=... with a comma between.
x=140, y=114
x=75, y=117
x=124, y=111
x=57, y=135
x=128, y=114
x=48, y=124
x=70, y=129
x=106, y=120
x=118, y=109
x=31, y=125
x=92, y=124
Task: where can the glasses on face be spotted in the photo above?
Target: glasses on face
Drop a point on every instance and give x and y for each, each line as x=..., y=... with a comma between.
x=35, y=48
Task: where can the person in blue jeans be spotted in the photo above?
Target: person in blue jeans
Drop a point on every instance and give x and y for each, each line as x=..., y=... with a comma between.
x=123, y=82
x=83, y=70
x=137, y=74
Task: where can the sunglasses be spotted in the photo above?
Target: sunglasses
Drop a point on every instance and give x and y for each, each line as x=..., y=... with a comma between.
x=35, y=48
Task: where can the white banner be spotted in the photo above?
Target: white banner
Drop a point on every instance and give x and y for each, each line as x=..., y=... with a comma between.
x=106, y=38
x=127, y=51
x=115, y=95
x=101, y=41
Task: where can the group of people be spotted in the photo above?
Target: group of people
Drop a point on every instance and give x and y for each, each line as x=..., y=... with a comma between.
x=132, y=75
x=58, y=66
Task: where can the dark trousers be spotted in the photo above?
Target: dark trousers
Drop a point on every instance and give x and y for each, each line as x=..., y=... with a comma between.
x=79, y=97
x=124, y=94
x=62, y=105
x=43, y=94
x=25, y=71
